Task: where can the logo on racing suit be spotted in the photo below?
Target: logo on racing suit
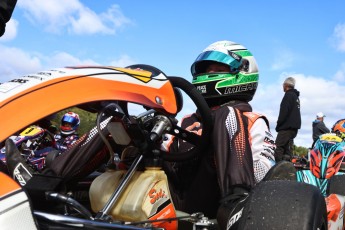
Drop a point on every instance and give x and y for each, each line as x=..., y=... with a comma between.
x=234, y=219
x=21, y=174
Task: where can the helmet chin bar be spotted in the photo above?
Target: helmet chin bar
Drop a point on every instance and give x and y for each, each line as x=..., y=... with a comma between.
x=216, y=96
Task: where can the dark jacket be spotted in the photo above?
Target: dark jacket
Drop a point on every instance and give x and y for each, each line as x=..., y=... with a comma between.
x=6, y=10
x=290, y=113
x=319, y=128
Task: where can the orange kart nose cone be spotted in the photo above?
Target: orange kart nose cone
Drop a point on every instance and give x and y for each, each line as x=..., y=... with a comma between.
x=30, y=98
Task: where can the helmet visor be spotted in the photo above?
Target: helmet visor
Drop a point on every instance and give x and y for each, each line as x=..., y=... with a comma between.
x=233, y=60
x=69, y=119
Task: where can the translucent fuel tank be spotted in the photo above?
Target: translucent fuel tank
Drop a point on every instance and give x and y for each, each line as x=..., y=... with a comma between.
x=146, y=197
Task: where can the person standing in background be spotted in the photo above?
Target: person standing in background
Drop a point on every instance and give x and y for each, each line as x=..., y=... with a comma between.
x=319, y=126
x=6, y=10
x=289, y=120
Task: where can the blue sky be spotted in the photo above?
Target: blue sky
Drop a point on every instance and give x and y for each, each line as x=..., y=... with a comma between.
x=303, y=39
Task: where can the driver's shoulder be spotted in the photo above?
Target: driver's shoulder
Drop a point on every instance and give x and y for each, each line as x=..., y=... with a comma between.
x=254, y=116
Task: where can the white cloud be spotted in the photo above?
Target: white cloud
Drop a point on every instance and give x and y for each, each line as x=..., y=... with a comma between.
x=11, y=30
x=284, y=60
x=11, y=67
x=123, y=61
x=62, y=59
x=115, y=17
x=15, y=62
x=88, y=22
x=340, y=74
x=71, y=15
x=338, y=37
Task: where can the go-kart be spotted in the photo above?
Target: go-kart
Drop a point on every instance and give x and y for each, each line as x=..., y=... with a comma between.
x=89, y=187
x=32, y=138
x=324, y=172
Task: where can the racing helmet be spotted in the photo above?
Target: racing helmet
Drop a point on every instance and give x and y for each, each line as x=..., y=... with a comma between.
x=327, y=155
x=239, y=83
x=339, y=128
x=69, y=123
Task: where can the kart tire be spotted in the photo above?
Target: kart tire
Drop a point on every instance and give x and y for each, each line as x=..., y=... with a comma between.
x=284, y=204
x=336, y=185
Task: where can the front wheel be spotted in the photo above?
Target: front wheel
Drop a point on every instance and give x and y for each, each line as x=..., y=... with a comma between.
x=286, y=205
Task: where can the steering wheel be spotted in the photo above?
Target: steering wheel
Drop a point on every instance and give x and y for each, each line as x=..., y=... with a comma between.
x=200, y=142
x=48, y=139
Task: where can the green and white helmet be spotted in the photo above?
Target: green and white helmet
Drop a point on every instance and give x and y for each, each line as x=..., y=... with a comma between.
x=218, y=88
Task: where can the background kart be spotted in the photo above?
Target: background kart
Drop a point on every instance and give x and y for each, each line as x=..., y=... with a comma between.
x=72, y=198
x=30, y=139
x=323, y=171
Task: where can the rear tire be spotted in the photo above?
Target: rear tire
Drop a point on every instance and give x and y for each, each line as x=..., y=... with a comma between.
x=51, y=157
x=286, y=205
x=336, y=185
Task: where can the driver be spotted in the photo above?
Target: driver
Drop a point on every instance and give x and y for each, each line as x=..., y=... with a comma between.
x=68, y=131
x=66, y=137
x=242, y=147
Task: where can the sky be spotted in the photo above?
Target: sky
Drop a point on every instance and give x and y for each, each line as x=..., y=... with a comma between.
x=302, y=39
